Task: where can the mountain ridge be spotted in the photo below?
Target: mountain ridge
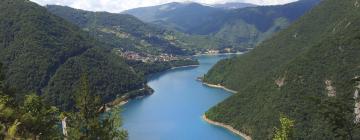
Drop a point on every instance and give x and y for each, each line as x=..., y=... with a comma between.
x=233, y=5
x=304, y=72
x=244, y=28
x=116, y=29
x=38, y=48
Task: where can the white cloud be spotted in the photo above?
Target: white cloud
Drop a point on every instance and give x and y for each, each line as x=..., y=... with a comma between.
x=120, y=5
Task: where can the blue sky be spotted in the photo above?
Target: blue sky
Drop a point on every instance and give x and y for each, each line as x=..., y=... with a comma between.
x=120, y=5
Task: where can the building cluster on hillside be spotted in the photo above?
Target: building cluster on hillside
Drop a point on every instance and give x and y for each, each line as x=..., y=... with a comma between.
x=146, y=58
x=212, y=51
x=217, y=51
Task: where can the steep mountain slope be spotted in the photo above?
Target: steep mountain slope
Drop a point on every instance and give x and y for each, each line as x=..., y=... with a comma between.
x=120, y=30
x=127, y=32
x=307, y=72
x=44, y=53
x=185, y=17
x=249, y=26
x=244, y=27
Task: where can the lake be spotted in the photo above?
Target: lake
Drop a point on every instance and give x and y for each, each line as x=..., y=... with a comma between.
x=175, y=109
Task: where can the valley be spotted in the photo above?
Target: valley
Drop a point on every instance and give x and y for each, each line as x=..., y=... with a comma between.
x=175, y=109
x=179, y=70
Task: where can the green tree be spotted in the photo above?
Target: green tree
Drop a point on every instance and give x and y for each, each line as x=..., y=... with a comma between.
x=286, y=128
x=91, y=121
x=339, y=113
x=11, y=132
x=29, y=119
x=38, y=118
x=6, y=114
x=1, y=78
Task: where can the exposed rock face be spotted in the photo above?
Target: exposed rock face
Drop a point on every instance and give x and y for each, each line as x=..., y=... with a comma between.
x=357, y=104
x=280, y=82
x=295, y=35
x=357, y=4
x=331, y=92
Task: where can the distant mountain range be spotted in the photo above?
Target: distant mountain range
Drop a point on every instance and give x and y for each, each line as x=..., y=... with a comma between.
x=180, y=16
x=120, y=30
x=233, y=5
x=244, y=27
x=127, y=32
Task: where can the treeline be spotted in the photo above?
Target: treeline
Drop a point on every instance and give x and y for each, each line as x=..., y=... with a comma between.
x=33, y=118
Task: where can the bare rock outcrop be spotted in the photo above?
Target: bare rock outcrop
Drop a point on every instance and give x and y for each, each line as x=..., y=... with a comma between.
x=331, y=92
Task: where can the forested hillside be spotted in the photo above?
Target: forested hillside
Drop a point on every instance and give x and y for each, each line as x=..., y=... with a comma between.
x=248, y=27
x=185, y=17
x=245, y=27
x=308, y=72
x=121, y=30
x=33, y=118
x=46, y=54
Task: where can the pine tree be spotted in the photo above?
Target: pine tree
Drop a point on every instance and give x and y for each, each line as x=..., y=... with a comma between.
x=91, y=121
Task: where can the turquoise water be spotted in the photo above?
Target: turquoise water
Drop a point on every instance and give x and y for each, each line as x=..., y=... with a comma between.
x=174, y=111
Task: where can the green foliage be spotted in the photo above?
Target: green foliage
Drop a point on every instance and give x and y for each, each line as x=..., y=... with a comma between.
x=196, y=43
x=88, y=122
x=185, y=17
x=1, y=77
x=120, y=30
x=285, y=130
x=113, y=122
x=44, y=53
x=245, y=27
x=317, y=48
x=35, y=114
x=33, y=118
x=338, y=112
x=197, y=27
x=109, y=76
x=154, y=67
x=11, y=133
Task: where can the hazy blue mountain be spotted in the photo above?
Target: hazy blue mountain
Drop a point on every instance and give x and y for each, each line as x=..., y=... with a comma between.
x=233, y=5
x=181, y=16
x=128, y=32
x=248, y=27
x=244, y=27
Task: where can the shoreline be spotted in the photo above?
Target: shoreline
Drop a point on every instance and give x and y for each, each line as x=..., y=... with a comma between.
x=184, y=66
x=120, y=101
x=219, y=86
x=228, y=127
x=217, y=54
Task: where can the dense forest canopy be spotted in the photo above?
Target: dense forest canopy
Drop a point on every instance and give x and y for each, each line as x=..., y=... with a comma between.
x=243, y=27
x=306, y=72
x=302, y=83
x=33, y=118
x=121, y=30
x=44, y=53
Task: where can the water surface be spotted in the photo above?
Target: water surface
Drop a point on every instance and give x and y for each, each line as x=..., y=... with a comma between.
x=174, y=111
